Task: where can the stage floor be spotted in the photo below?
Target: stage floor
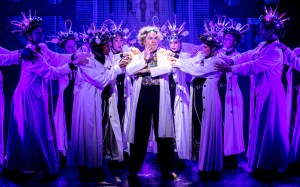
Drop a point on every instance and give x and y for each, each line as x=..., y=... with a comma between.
x=150, y=176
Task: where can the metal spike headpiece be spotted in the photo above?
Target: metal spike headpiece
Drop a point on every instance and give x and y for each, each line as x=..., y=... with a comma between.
x=273, y=18
x=213, y=31
x=172, y=33
x=63, y=36
x=27, y=24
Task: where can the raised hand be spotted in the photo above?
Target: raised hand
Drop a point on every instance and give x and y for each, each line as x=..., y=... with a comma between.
x=172, y=60
x=222, y=67
x=135, y=51
x=127, y=55
x=29, y=54
x=81, y=61
x=147, y=52
x=225, y=58
x=82, y=55
x=143, y=71
x=165, y=52
x=125, y=61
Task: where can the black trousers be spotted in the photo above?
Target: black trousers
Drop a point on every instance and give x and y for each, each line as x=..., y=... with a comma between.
x=197, y=108
x=121, y=99
x=222, y=86
x=148, y=110
x=68, y=104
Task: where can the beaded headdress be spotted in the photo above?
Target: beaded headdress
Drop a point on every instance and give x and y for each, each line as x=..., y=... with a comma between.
x=172, y=33
x=93, y=35
x=114, y=30
x=27, y=24
x=273, y=18
x=213, y=31
x=63, y=36
x=232, y=27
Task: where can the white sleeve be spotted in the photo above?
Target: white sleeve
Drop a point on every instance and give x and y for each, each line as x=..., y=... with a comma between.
x=269, y=60
x=98, y=78
x=136, y=64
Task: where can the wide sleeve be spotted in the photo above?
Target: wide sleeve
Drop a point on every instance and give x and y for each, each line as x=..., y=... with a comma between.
x=114, y=60
x=6, y=51
x=248, y=55
x=56, y=58
x=243, y=57
x=45, y=70
x=266, y=61
x=9, y=59
x=162, y=68
x=136, y=64
x=292, y=59
x=189, y=66
x=98, y=78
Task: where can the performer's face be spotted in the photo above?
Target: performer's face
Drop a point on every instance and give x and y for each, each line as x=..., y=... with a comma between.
x=105, y=49
x=175, y=45
x=85, y=48
x=116, y=44
x=151, y=40
x=264, y=32
x=70, y=46
x=36, y=35
x=228, y=41
x=206, y=49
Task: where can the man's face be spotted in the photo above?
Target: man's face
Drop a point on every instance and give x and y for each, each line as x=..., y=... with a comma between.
x=228, y=41
x=151, y=40
x=70, y=46
x=263, y=33
x=117, y=43
x=175, y=45
x=37, y=35
x=105, y=49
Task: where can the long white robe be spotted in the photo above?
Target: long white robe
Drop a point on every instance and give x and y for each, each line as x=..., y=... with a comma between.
x=293, y=60
x=128, y=96
x=31, y=142
x=268, y=136
x=210, y=153
x=60, y=118
x=163, y=69
x=6, y=58
x=114, y=119
x=86, y=145
x=183, y=128
x=190, y=78
x=182, y=121
x=233, y=122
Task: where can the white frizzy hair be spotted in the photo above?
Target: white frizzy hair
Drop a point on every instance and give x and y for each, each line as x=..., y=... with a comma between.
x=145, y=30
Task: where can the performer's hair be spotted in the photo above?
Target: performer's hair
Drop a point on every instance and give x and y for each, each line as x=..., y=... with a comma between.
x=144, y=31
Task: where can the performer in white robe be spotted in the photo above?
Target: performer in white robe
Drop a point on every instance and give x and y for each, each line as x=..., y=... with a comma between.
x=294, y=156
x=210, y=152
x=31, y=142
x=269, y=135
x=292, y=58
x=86, y=146
x=115, y=140
x=7, y=58
x=66, y=40
x=234, y=108
x=180, y=96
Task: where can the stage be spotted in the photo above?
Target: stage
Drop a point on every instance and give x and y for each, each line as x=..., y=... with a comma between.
x=150, y=176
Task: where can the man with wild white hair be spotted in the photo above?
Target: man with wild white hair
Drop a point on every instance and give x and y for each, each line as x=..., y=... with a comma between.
x=151, y=97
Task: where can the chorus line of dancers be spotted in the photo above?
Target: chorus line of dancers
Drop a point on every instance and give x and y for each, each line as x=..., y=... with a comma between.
x=117, y=101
